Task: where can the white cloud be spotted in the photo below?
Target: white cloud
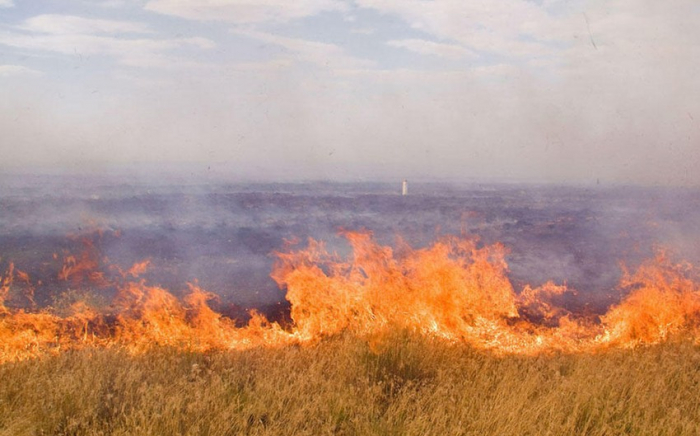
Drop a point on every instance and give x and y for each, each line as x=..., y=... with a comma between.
x=273, y=65
x=140, y=81
x=69, y=24
x=321, y=54
x=18, y=70
x=122, y=49
x=72, y=35
x=363, y=31
x=6, y=3
x=508, y=27
x=421, y=46
x=595, y=40
x=148, y=59
x=113, y=3
x=244, y=11
x=495, y=71
x=433, y=79
x=551, y=105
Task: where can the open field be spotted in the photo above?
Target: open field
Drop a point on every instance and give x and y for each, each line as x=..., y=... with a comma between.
x=404, y=384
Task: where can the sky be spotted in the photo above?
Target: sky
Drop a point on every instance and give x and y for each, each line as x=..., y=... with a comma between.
x=559, y=91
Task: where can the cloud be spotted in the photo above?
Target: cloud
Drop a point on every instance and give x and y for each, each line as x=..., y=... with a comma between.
x=127, y=51
x=140, y=81
x=71, y=35
x=113, y=3
x=273, y=65
x=591, y=43
x=421, y=46
x=6, y=3
x=498, y=71
x=244, y=11
x=321, y=54
x=363, y=31
x=18, y=70
x=511, y=28
x=541, y=103
x=433, y=80
x=68, y=24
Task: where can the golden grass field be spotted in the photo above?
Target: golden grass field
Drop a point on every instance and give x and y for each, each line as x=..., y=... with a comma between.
x=403, y=385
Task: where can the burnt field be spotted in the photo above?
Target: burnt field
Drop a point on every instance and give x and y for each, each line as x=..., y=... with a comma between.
x=224, y=236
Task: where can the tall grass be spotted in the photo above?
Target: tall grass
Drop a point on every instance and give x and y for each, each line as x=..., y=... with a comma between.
x=403, y=385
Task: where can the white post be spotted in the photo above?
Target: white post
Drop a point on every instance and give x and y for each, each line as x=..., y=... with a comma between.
x=404, y=187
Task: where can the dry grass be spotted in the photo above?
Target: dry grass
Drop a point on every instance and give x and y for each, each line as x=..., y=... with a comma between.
x=406, y=386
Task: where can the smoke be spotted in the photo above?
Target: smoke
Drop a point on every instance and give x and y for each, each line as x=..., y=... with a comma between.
x=580, y=125
x=224, y=236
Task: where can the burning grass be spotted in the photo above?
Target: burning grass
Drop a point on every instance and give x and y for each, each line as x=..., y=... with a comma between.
x=389, y=341
x=456, y=290
x=407, y=384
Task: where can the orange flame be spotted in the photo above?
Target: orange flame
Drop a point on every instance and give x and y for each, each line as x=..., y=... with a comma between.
x=455, y=290
x=664, y=302
x=5, y=284
x=83, y=268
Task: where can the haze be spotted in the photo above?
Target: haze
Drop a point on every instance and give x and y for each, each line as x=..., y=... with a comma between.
x=530, y=91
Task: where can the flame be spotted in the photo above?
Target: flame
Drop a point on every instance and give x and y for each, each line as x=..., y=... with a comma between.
x=138, y=268
x=664, y=301
x=456, y=290
x=443, y=289
x=5, y=284
x=84, y=268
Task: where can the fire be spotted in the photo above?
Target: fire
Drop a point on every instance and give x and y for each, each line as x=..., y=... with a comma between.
x=5, y=283
x=444, y=289
x=456, y=290
x=664, y=302
x=84, y=268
